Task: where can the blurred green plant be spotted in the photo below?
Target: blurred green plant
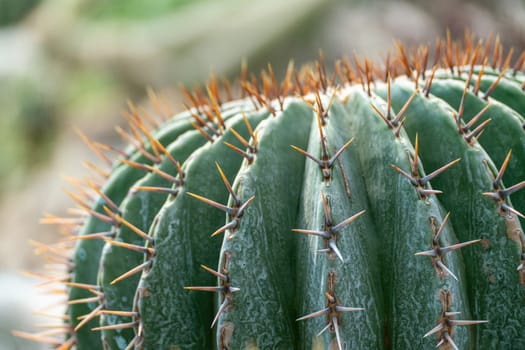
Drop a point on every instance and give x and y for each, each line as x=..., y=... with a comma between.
x=11, y=11
x=132, y=9
x=27, y=126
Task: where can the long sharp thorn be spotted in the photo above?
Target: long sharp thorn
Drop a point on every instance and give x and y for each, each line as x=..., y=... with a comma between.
x=85, y=286
x=229, y=225
x=434, y=330
x=428, y=84
x=458, y=246
x=306, y=154
x=427, y=192
x=452, y=313
x=240, y=138
x=494, y=84
x=324, y=152
x=415, y=163
x=134, y=247
x=442, y=266
x=133, y=271
x=245, y=205
x=102, y=195
x=216, y=109
x=323, y=234
x=98, y=235
x=165, y=190
x=405, y=174
x=431, y=253
x=89, y=317
x=474, y=119
x=450, y=341
x=205, y=288
x=115, y=326
x=336, y=250
x=337, y=335
x=440, y=343
x=510, y=190
x=493, y=195
x=202, y=132
x=324, y=329
x=435, y=173
x=461, y=107
x=477, y=131
x=512, y=210
x=226, y=182
x=441, y=227
x=389, y=96
x=118, y=313
x=245, y=154
x=381, y=115
x=223, y=306
x=338, y=153
x=343, y=223
x=248, y=125
x=314, y=314
x=131, y=344
x=402, y=111
x=136, y=230
x=215, y=273
x=503, y=168
x=349, y=309
x=84, y=301
x=520, y=267
x=212, y=203
x=467, y=322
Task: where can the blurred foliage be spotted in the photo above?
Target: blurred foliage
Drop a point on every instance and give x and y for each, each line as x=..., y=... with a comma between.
x=27, y=125
x=12, y=11
x=131, y=9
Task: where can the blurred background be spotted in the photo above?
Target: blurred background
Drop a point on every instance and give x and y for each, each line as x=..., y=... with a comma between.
x=67, y=64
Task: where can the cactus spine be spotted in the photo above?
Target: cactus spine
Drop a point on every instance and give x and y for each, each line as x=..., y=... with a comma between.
x=369, y=209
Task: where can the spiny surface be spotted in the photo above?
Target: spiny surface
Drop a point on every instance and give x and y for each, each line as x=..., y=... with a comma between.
x=368, y=208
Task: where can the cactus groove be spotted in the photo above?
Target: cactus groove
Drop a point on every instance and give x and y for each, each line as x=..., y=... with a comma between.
x=368, y=208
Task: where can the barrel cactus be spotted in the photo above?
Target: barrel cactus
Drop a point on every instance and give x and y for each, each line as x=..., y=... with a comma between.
x=365, y=208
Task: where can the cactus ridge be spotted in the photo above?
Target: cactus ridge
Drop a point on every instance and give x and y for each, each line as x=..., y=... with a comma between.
x=368, y=208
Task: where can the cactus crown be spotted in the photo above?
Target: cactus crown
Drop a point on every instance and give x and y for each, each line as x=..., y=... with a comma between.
x=366, y=208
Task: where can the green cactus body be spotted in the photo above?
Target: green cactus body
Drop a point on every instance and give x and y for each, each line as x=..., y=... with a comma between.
x=472, y=176
x=182, y=239
x=86, y=250
x=415, y=219
x=346, y=213
x=139, y=210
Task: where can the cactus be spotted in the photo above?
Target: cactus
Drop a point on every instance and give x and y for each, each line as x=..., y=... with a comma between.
x=368, y=209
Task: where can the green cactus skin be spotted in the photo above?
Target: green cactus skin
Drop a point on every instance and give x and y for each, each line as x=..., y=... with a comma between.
x=189, y=247
x=471, y=176
x=353, y=212
x=395, y=231
x=116, y=189
x=116, y=260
